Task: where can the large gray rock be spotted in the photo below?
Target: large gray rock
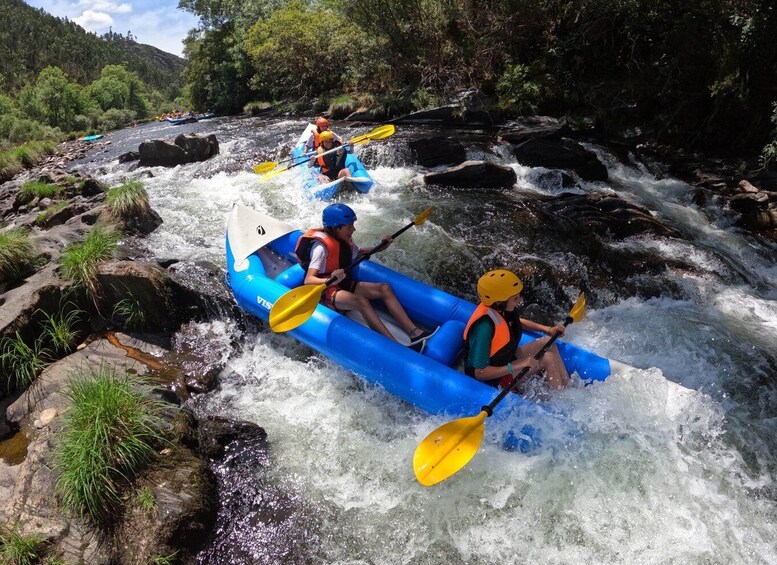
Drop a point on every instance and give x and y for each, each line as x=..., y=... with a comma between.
x=603, y=214
x=437, y=150
x=545, y=127
x=474, y=174
x=186, y=149
x=183, y=488
x=561, y=154
x=146, y=287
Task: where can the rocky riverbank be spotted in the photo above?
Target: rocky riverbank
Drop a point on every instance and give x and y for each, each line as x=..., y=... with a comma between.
x=53, y=210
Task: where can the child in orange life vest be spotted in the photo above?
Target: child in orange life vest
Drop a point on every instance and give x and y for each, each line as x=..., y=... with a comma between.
x=494, y=331
x=322, y=125
x=332, y=164
x=327, y=251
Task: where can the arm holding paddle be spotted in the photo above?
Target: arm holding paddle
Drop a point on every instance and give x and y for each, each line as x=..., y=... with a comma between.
x=450, y=447
x=297, y=305
x=269, y=169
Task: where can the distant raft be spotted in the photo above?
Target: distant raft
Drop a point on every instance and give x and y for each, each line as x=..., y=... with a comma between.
x=359, y=178
x=91, y=137
x=182, y=120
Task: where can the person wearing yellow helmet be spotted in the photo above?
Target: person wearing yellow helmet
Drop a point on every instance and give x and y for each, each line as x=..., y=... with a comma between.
x=493, y=334
x=322, y=125
x=331, y=165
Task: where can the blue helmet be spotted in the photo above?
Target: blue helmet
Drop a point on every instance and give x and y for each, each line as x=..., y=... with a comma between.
x=337, y=215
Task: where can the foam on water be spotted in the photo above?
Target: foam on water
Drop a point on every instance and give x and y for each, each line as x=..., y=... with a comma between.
x=674, y=462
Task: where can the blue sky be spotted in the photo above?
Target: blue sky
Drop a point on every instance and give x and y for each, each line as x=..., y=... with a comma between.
x=156, y=22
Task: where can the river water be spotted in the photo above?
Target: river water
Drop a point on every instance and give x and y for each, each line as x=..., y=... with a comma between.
x=677, y=462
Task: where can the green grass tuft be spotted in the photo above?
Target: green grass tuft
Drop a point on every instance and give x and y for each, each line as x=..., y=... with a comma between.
x=37, y=189
x=79, y=260
x=20, y=362
x=164, y=559
x=146, y=500
x=127, y=199
x=58, y=328
x=16, y=549
x=111, y=430
x=18, y=254
x=129, y=313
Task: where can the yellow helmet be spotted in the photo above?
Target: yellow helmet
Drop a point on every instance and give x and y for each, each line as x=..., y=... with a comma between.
x=326, y=136
x=498, y=285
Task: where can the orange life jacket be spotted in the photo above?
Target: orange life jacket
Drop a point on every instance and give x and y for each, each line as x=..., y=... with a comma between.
x=338, y=256
x=504, y=341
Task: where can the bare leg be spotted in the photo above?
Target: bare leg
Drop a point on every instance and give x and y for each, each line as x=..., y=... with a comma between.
x=344, y=173
x=345, y=300
x=556, y=373
x=383, y=291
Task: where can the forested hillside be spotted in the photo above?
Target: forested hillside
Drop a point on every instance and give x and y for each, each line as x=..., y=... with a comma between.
x=31, y=40
x=699, y=73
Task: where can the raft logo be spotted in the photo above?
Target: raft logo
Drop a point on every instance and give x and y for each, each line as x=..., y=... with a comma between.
x=260, y=230
x=263, y=303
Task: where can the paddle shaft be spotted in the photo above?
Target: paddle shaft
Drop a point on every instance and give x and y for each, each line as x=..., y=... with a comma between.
x=537, y=356
x=377, y=249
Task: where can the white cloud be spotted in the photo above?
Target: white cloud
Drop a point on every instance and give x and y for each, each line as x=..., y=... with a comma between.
x=106, y=6
x=94, y=21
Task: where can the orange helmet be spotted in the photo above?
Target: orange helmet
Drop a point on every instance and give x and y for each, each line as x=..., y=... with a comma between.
x=322, y=123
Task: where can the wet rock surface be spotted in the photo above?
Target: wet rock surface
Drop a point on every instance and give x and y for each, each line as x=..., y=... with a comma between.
x=185, y=149
x=473, y=174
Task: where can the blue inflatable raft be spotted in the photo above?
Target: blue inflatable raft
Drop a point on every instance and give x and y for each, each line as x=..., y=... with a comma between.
x=261, y=268
x=181, y=120
x=91, y=137
x=359, y=178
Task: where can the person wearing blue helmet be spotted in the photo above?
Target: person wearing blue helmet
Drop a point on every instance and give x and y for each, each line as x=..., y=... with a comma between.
x=327, y=251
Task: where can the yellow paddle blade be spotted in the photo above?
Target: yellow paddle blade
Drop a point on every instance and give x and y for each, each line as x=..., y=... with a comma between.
x=295, y=307
x=273, y=173
x=578, y=310
x=266, y=167
x=381, y=132
x=447, y=449
x=421, y=218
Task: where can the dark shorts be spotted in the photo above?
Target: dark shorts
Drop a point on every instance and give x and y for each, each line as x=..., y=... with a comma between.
x=329, y=296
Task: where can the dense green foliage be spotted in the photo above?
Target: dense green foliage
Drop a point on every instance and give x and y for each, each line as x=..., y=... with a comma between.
x=31, y=40
x=695, y=72
x=111, y=430
x=59, y=81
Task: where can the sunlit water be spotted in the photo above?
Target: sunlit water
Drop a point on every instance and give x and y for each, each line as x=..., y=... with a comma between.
x=673, y=463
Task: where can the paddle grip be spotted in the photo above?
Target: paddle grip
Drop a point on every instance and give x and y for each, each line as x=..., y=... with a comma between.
x=537, y=356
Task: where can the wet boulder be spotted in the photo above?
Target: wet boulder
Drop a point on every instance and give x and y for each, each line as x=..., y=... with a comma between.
x=561, y=154
x=473, y=174
x=534, y=127
x=437, y=150
x=144, y=289
x=186, y=149
x=604, y=214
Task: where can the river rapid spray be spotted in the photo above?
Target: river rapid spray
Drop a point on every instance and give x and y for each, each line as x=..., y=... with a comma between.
x=675, y=463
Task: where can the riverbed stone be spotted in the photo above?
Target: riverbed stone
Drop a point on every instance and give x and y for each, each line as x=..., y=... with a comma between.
x=185, y=149
x=604, y=214
x=473, y=174
x=561, y=154
x=437, y=150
